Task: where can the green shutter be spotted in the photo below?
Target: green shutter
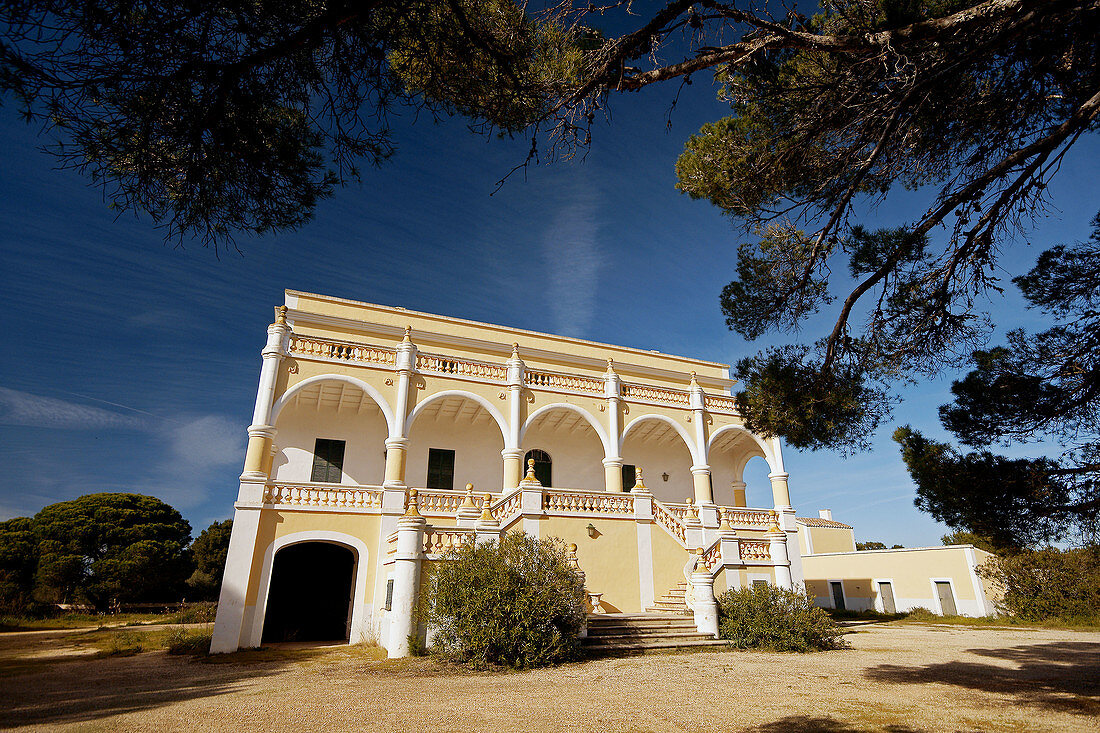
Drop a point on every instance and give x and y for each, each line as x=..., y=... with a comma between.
x=441, y=468
x=328, y=461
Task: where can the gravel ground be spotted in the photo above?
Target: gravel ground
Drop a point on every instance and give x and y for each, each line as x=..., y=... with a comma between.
x=896, y=677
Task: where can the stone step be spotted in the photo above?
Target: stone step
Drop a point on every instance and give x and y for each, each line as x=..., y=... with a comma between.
x=650, y=621
x=688, y=627
x=673, y=635
x=644, y=646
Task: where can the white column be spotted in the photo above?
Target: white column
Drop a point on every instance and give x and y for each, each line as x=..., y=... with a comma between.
x=643, y=519
x=513, y=452
x=739, y=493
x=260, y=432
x=613, y=461
x=704, y=605
x=406, y=579
x=777, y=541
x=229, y=622
x=700, y=472
x=397, y=444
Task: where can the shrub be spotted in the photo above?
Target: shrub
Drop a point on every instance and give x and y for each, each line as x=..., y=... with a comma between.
x=123, y=644
x=195, y=613
x=920, y=613
x=515, y=602
x=1048, y=584
x=768, y=617
x=182, y=641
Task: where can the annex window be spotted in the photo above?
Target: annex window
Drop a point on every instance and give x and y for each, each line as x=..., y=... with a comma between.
x=441, y=468
x=630, y=476
x=328, y=461
x=543, y=465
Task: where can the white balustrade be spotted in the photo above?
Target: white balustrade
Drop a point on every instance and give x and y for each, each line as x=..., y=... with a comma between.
x=669, y=521
x=747, y=518
x=720, y=403
x=312, y=347
x=577, y=502
x=655, y=394
x=327, y=495
x=439, y=502
x=440, y=540
x=506, y=508
x=557, y=380
x=461, y=367
x=757, y=551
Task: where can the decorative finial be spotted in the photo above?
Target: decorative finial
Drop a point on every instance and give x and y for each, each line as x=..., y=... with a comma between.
x=638, y=479
x=571, y=556
x=408, y=332
x=694, y=381
x=775, y=522
x=724, y=519
x=530, y=478
x=468, y=502
x=280, y=315
x=515, y=349
x=486, y=515
x=412, y=507
x=610, y=366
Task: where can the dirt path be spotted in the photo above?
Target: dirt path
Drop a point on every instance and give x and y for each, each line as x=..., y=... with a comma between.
x=896, y=677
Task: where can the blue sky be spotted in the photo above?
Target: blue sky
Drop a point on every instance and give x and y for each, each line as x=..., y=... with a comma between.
x=129, y=365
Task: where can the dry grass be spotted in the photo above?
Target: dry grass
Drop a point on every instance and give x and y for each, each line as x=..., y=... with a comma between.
x=898, y=677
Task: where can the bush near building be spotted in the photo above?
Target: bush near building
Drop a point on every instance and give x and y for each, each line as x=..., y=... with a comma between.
x=1048, y=584
x=515, y=603
x=768, y=617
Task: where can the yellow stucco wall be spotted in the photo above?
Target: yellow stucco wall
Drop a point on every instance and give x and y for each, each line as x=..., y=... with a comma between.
x=609, y=562
x=830, y=539
x=669, y=560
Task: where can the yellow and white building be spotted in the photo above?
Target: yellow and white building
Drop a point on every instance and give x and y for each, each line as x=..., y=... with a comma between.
x=382, y=437
x=945, y=580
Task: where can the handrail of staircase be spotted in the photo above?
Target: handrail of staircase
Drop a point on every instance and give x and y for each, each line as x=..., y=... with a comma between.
x=689, y=592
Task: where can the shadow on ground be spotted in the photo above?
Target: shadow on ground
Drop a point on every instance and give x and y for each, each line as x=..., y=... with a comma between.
x=1062, y=676
x=807, y=724
x=60, y=690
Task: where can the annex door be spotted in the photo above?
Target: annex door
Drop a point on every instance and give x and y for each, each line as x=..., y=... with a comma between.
x=310, y=594
x=886, y=592
x=947, y=600
x=838, y=595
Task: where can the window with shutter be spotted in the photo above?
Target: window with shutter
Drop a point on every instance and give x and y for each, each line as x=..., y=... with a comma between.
x=630, y=477
x=441, y=468
x=328, y=461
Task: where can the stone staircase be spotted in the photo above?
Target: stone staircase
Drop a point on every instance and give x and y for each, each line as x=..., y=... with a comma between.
x=671, y=602
x=617, y=633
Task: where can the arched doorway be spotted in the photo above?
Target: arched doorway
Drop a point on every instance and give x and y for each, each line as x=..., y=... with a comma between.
x=543, y=465
x=310, y=594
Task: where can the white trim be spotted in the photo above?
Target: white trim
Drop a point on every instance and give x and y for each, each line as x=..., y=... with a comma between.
x=384, y=406
x=936, y=595
x=358, y=593
x=809, y=539
x=689, y=442
x=503, y=345
x=489, y=407
x=646, y=589
x=844, y=596
x=879, y=604
x=765, y=451
x=976, y=582
x=588, y=417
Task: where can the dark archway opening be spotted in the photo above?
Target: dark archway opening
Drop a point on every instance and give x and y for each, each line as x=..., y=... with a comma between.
x=310, y=595
x=543, y=466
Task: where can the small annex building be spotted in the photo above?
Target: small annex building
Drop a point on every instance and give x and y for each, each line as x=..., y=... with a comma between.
x=383, y=437
x=945, y=580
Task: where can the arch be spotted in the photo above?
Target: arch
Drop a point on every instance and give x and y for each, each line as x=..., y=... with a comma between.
x=580, y=411
x=765, y=451
x=489, y=407
x=544, y=465
x=692, y=448
x=375, y=395
x=362, y=557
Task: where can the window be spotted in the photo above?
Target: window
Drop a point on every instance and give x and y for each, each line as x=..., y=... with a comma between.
x=441, y=468
x=542, y=465
x=328, y=461
x=389, y=594
x=630, y=477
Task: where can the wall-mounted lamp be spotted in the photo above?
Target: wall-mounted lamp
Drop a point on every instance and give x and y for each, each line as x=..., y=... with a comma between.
x=592, y=531
x=665, y=475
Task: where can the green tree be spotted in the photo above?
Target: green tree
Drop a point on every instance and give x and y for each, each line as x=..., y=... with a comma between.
x=1039, y=386
x=515, y=602
x=969, y=538
x=209, y=551
x=1048, y=584
x=870, y=546
x=18, y=559
x=111, y=547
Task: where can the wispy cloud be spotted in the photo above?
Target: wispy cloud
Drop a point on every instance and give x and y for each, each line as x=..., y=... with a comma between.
x=573, y=260
x=24, y=408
